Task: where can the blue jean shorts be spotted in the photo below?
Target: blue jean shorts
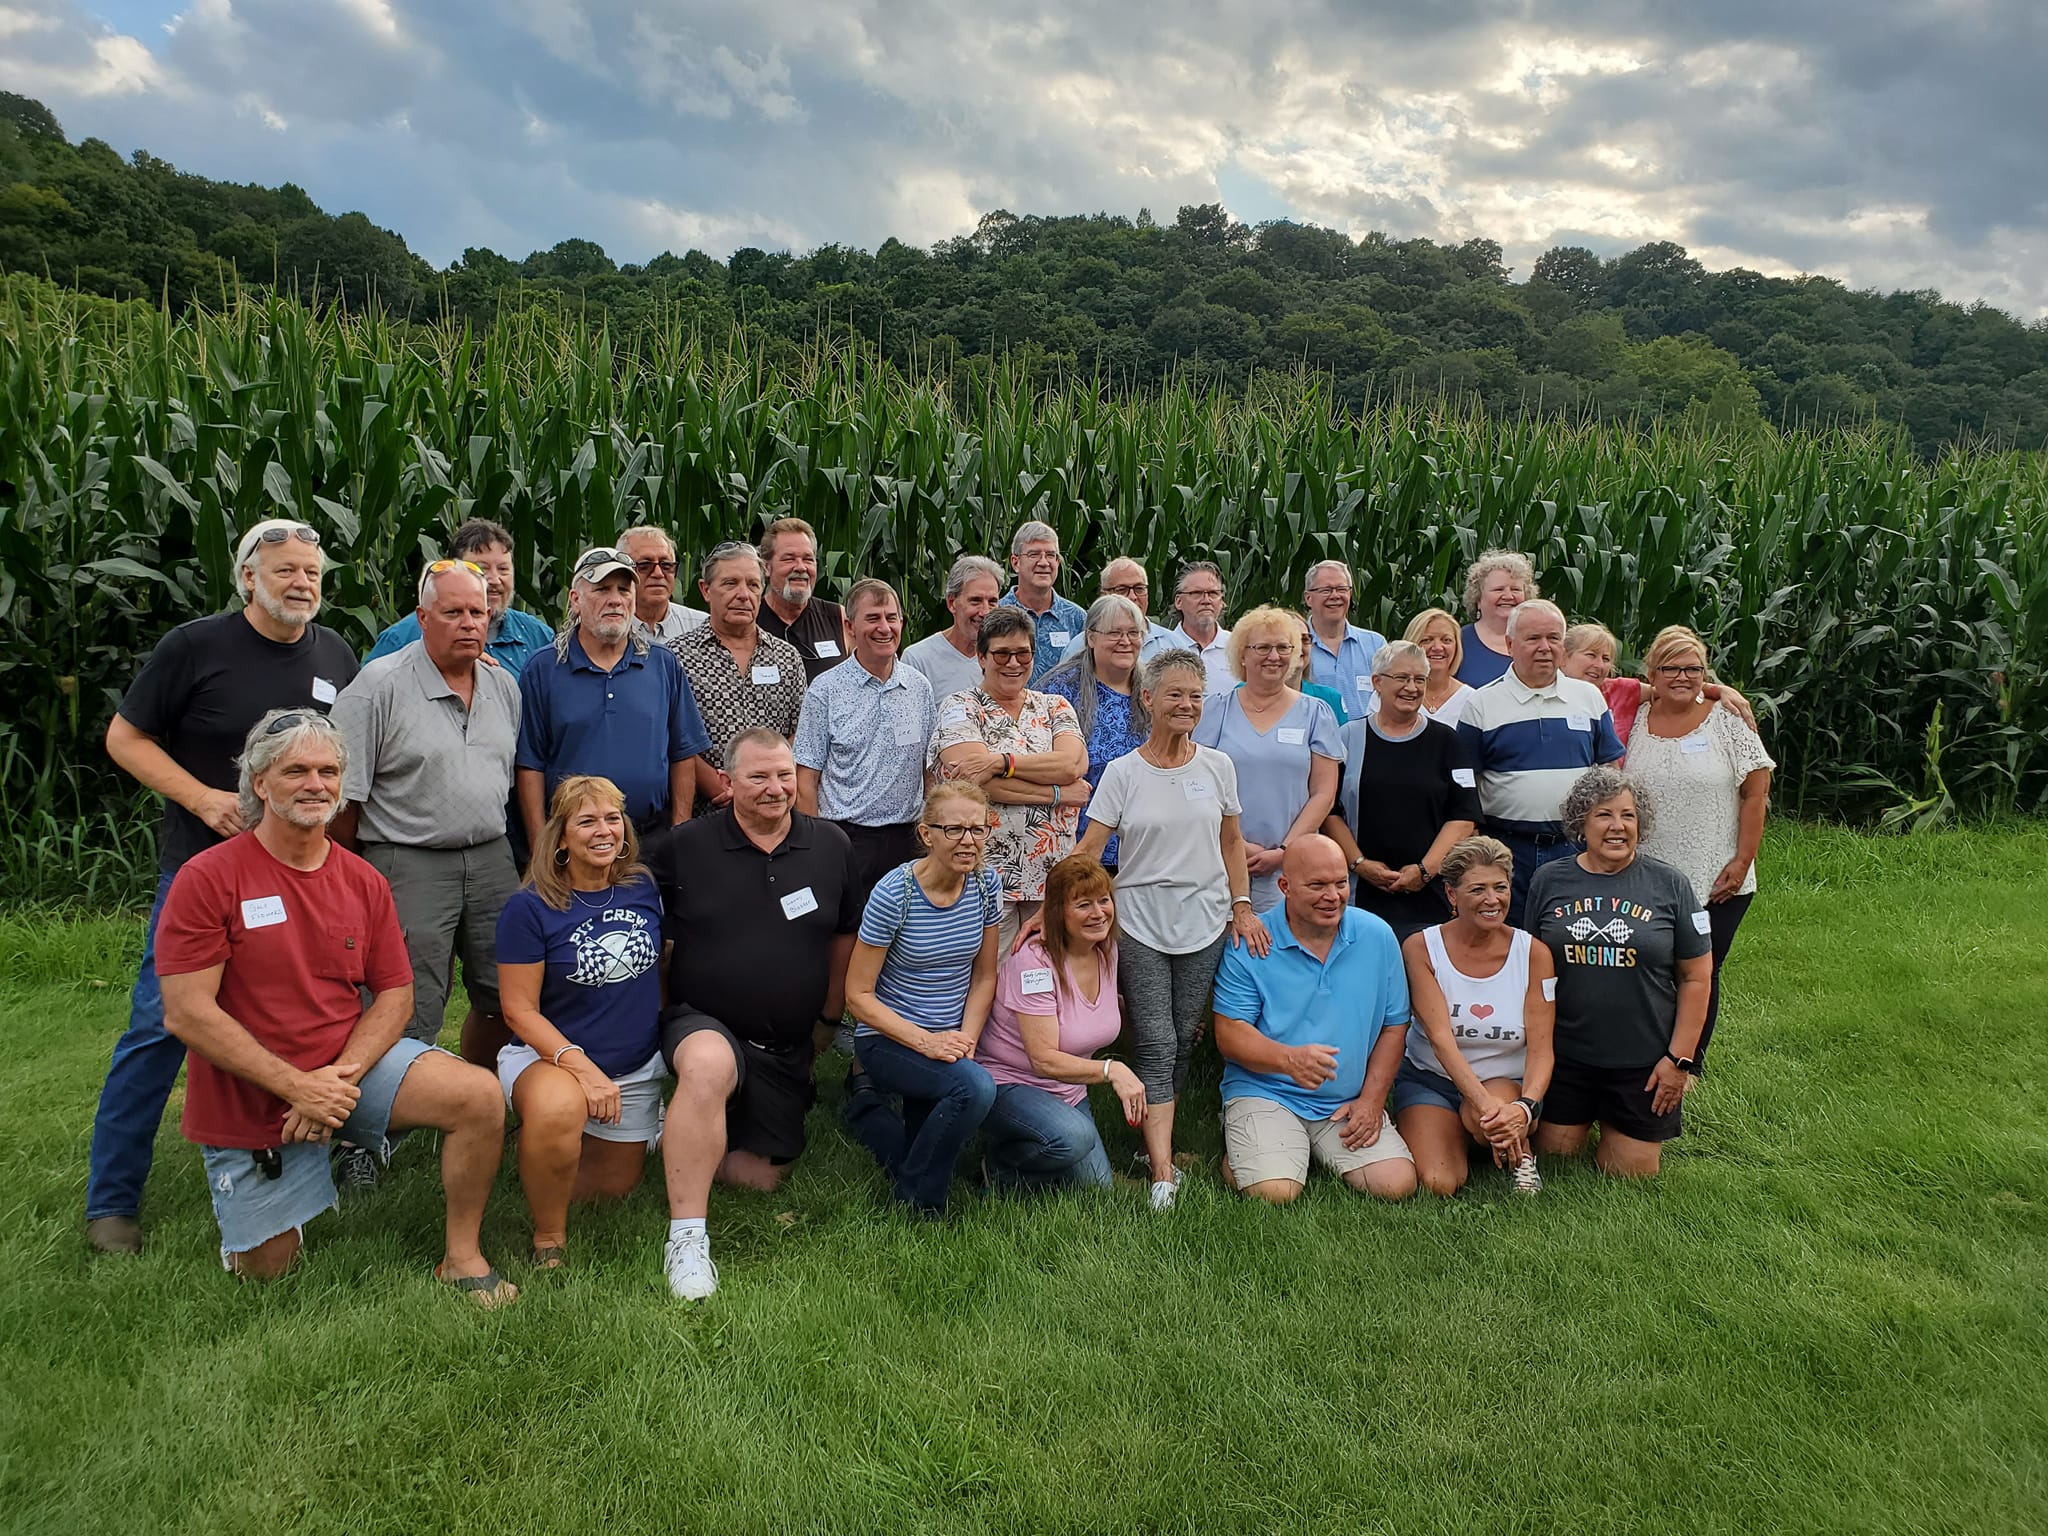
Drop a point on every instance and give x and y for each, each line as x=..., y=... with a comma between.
x=1415, y=1085
x=253, y=1208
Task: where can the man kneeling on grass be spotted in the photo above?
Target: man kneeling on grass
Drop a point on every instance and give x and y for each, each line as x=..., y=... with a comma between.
x=264, y=943
x=1312, y=1034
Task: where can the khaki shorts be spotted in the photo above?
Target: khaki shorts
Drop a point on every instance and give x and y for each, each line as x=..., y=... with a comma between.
x=1266, y=1140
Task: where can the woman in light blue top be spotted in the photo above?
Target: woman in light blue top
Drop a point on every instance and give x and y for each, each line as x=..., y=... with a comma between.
x=1284, y=744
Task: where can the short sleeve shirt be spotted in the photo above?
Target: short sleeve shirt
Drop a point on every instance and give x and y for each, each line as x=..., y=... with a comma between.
x=769, y=693
x=203, y=688
x=294, y=947
x=1272, y=767
x=818, y=633
x=1028, y=839
x=928, y=950
x=600, y=983
x=943, y=666
x=1025, y=984
x=1348, y=667
x=865, y=737
x=515, y=638
x=626, y=724
x=1694, y=780
x=1056, y=629
x=1617, y=940
x=1528, y=746
x=1172, y=890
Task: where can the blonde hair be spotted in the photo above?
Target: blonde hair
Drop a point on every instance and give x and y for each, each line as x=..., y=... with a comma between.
x=1670, y=640
x=1266, y=616
x=1580, y=636
x=1472, y=853
x=1512, y=561
x=938, y=795
x=547, y=876
x=1419, y=626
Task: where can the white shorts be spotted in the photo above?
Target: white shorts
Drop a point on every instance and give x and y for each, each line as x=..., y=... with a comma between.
x=640, y=1107
x=1267, y=1140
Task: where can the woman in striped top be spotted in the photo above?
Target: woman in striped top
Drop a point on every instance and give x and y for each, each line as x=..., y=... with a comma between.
x=919, y=986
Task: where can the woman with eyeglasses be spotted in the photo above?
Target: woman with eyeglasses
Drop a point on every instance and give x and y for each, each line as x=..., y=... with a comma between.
x=1284, y=743
x=919, y=986
x=1025, y=750
x=1407, y=796
x=1711, y=777
x=1101, y=682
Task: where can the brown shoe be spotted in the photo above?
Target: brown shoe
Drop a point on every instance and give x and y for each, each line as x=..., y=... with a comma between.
x=114, y=1234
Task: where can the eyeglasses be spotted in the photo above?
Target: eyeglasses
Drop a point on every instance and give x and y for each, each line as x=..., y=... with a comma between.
x=1682, y=671
x=1118, y=636
x=299, y=531
x=1329, y=591
x=291, y=722
x=1406, y=679
x=649, y=567
x=1277, y=648
x=1128, y=589
x=956, y=832
x=1210, y=593
x=1008, y=658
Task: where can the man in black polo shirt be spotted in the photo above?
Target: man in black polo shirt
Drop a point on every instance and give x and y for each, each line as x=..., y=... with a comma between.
x=762, y=908
x=792, y=610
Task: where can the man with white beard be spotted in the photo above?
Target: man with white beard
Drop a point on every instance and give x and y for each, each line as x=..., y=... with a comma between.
x=177, y=731
x=265, y=948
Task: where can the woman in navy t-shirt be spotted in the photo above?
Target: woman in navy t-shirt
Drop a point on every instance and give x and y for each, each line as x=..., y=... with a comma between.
x=579, y=951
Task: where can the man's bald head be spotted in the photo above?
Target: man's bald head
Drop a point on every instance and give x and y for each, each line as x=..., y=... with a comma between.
x=1315, y=883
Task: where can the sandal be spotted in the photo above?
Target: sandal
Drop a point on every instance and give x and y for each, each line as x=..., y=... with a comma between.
x=489, y=1290
x=553, y=1256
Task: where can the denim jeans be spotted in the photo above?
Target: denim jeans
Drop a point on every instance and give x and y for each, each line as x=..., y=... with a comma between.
x=1037, y=1140
x=139, y=1083
x=944, y=1103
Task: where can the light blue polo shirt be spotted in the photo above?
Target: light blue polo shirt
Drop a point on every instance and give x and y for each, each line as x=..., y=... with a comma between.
x=1292, y=998
x=512, y=642
x=1056, y=628
x=1348, y=668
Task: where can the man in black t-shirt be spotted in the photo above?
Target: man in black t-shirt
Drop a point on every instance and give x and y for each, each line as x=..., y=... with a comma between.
x=178, y=730
x=789, y=549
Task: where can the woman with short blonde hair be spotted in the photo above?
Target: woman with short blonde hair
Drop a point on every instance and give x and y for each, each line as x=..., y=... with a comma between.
x=1443, y=647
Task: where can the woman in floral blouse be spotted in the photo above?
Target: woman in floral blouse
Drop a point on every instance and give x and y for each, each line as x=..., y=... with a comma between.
x=1101, y=682
x=1026, y=750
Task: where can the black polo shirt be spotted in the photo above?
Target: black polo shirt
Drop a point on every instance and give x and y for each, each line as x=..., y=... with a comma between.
x=818, y=633
x=753, y=931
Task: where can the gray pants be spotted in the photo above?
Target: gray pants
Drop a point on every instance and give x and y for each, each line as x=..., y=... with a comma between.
x=1169, y=1000
x=448, y=901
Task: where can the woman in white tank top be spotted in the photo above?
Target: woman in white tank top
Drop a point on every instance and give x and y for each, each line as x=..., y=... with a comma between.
x=1479, y=1052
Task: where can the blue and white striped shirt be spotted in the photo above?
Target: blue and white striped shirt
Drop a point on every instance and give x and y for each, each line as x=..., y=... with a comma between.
x=928, y=951
x=1531, y=744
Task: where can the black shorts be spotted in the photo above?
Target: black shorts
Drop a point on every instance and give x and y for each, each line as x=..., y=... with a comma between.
x=1612, y=1097
x=765, y=1115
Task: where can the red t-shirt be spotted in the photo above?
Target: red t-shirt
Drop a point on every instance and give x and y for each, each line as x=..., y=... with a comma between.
x=294, y=946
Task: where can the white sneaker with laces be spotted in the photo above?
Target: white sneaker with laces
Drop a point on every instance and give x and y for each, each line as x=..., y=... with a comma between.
x=691, y=1274
x=1165, y=1192
x=1527, y=1180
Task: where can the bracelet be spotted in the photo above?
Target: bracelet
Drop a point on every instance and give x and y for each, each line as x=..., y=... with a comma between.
x=1055, y=797
x=1105, y=1069
x=1009, y=765
x=556, y=1059
x=1244, y=899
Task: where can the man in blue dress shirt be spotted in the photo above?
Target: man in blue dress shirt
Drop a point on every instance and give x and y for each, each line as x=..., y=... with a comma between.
x=1340, y=652
x=1035, y=557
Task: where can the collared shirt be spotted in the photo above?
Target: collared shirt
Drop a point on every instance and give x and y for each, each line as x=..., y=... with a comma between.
x=627, y=724
x=818, y=633
x=673, y=625
x=1057, y=628
x=1215, y=656
x=1348, y=668
x=866, y=737
x=1530, y=744
x=427, y=771
x=943, y=666
x=515, y=638
x=1292, y=998
x=770, y=693
x=1157, y=638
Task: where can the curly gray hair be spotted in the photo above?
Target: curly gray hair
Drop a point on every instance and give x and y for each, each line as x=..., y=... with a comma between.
x=281, y=731
x=1597, y=786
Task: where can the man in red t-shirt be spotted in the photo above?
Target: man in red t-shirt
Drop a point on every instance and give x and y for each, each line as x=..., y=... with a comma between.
x=265, y=947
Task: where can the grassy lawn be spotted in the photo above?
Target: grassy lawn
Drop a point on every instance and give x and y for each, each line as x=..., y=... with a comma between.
x=1828, y=1315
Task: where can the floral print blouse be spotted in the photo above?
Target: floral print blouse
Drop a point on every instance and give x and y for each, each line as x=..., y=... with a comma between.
x=1028, y=839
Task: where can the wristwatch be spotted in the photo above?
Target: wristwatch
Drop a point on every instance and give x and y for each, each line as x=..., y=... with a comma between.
x=1533, y=1106
x=1689, y=1064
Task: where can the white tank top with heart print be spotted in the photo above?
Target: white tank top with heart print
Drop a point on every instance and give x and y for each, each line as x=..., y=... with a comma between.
x=1486, y=1012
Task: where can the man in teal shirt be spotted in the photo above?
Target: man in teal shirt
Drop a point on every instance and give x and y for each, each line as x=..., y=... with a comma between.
x=513, y=636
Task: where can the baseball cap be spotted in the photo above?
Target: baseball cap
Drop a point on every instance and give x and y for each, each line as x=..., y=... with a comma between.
x=593, y=565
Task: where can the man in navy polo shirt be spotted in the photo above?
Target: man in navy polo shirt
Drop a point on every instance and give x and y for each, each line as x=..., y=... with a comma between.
x=604, y=701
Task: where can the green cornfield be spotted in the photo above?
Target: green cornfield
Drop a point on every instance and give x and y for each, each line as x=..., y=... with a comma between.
x=1889, y=616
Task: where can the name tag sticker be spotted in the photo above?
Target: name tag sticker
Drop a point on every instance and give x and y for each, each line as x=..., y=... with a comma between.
x=763, y=676
x=1364, y=686
x=907, y=734
x=1702, y=923
x=1693, y=744
x=323, y=693
x=826, y=649
x=797, y=903
x=1292, y=735
x=1062, y=636
x=1550, y=989
x=1578, y=722
x=1036, y=982
x=263, y=912
x=1462, y=777
x=1198, y=789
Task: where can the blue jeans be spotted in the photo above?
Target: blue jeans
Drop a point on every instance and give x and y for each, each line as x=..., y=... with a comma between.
x=1037, y=1140
x=1528, y=859
x=944, y=1103
x=139, y=1083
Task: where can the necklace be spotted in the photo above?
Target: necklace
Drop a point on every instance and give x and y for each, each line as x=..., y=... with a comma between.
x=592, y=898
x=1148, y=753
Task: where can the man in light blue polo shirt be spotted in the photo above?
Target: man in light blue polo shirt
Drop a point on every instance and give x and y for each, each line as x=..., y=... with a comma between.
x=601, y=700
x=514, y=637
x=1340, y=652
x=1530, y=733
x=861, y=738
x=1035, y=557
x=1312, y=1034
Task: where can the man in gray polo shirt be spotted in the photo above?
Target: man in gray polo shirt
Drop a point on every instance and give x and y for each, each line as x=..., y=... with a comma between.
x=431, y=736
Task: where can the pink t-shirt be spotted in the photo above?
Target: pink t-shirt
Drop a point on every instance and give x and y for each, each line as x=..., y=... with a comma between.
x=1024, y=984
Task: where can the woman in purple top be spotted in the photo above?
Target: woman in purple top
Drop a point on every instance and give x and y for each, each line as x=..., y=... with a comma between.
x=1056, y=1006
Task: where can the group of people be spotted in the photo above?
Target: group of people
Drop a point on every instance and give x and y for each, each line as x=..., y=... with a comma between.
x=1426, y=908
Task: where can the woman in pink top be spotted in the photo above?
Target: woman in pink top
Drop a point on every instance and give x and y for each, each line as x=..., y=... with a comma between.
x=1055, y=1008
x=1589, y=654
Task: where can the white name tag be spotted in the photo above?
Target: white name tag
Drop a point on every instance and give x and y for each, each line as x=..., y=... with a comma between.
x=1702, y=922
x=1364, y=686
x=763, y=676
x=1550, y=989
x=1578, y=722
x=1036, y=982
x=1198, y=789
x=1693, y=744
x=826, y=648
x=1292, y=735
x=323, y=693
x=907, y=733
x=263, y=912
x=797, y=903
x=1462, y=777
x=1062, y=636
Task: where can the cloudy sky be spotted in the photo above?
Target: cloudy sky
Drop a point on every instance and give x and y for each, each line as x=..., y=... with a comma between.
x=1894, y=143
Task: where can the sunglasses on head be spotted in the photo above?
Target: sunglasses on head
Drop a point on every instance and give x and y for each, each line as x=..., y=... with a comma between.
x=303, y=532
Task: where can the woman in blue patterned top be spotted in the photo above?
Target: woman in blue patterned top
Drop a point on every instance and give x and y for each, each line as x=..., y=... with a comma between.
x=919, y=986
x=1101, y=682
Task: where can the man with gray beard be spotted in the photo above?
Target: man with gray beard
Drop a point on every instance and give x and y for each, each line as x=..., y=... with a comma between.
x=177, y=731
x=793, y=611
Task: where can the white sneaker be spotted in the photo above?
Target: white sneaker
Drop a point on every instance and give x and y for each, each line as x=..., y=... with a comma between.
x=1165, y=1192
x=691, y=1274
x=1527, y=1180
